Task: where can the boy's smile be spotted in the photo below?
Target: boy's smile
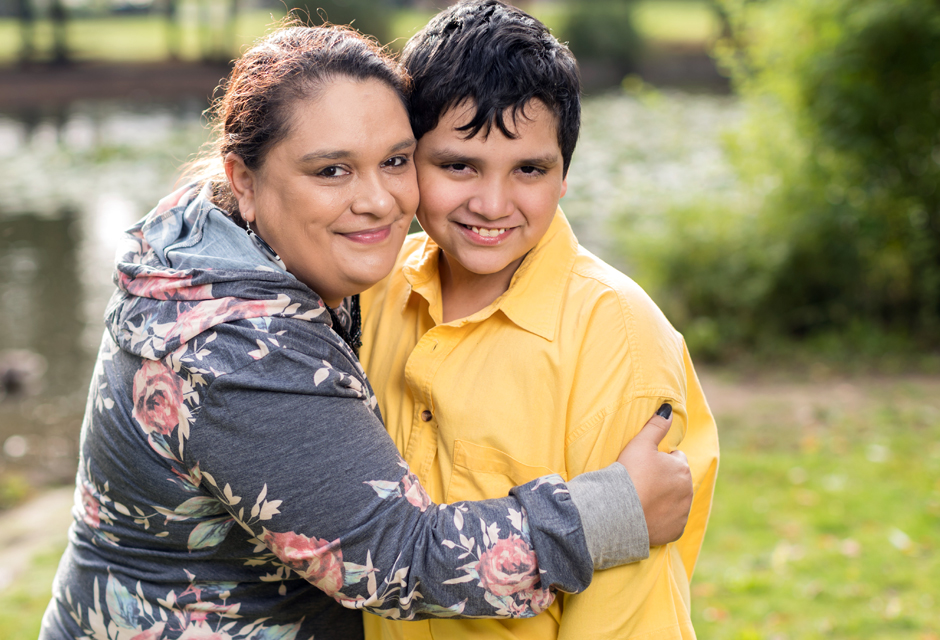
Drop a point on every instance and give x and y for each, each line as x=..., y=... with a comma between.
x=488, y=200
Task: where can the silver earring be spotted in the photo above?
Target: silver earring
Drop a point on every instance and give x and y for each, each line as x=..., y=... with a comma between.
x=265, y=248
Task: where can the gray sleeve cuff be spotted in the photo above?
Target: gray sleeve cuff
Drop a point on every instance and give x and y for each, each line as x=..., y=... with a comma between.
x=612, y=516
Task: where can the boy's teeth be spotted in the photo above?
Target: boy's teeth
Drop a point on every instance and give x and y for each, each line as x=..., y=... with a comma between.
x=487, y=233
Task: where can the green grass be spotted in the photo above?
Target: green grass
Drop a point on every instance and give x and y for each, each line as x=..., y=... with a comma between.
x=143, y=38
x=130, y=38
x=676, y=21
x=23, y=603
x=825, y=529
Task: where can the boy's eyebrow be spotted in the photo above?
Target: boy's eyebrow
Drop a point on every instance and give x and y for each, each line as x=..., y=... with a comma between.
x=445, y=156
x=549, y=159
x=341, y=154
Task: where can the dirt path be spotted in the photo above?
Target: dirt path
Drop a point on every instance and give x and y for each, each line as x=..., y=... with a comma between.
x=43, y=86
x=38, y=526
x=763, y=400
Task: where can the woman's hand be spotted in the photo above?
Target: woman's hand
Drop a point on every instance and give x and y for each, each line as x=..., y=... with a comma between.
x=663, y=481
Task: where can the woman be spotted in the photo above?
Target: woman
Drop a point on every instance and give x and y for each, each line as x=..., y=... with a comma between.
x=235, y=479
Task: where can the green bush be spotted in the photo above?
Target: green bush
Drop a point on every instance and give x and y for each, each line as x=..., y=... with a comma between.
x=602, y=31
x=840, y=155
x=372, y=17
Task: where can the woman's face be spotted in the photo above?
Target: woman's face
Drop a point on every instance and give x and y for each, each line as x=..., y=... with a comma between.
x=335, y=197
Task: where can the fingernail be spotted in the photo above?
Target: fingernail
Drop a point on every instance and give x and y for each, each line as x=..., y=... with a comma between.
x=665, y=411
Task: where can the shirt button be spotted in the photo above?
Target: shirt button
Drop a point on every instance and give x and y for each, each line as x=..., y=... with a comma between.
x=426, y=415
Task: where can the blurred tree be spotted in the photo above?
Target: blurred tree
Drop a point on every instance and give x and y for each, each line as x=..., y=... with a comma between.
x=27, y=19
x=172, y=26
x=372, y=17
x=58, y=15
x=853, y=87
x=840, y=149
x=602, y=32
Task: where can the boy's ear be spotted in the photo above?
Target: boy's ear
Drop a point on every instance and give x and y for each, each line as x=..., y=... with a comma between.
x=241, y=180
x=564, y=187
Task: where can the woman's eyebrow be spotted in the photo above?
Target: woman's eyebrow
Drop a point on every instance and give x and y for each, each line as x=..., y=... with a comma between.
x=338, y=154
x=404, y=144
x=342, y=154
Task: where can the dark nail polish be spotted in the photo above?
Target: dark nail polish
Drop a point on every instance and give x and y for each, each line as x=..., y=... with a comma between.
x=665, y=411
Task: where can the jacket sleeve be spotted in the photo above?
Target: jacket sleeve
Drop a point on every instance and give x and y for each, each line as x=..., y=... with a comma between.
x=293, y=448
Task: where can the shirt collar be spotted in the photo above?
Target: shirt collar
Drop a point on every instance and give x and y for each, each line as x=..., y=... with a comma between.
x=534, y=298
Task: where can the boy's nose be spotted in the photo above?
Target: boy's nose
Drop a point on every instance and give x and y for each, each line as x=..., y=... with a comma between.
x=492, y=201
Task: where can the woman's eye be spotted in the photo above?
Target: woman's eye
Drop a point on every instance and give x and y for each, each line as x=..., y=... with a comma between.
x=396, y=161
x=332, y=172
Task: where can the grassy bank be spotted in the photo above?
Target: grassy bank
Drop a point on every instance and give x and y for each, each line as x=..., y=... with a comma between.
x=23, y=603
x=827, y=514
x=144, y=38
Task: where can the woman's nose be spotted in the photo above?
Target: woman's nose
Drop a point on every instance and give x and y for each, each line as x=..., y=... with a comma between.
x=373, y=197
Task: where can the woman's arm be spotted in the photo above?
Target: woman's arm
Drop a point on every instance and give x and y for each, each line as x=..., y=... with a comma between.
x=293, y=448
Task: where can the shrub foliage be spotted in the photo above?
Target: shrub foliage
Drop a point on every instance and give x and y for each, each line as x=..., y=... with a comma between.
x=602, y=31
x=840, y=152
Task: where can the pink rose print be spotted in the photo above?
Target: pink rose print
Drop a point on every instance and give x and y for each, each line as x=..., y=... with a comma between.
x=90, y=507
x=167, y=285
x=207, y=314
x=168, y=202
x=508, y=566
x=202, y=631
x=202, y=316
x=158, y=398
x=320, y=562
x=539, y=599
x=415, y=493
x=153, y=633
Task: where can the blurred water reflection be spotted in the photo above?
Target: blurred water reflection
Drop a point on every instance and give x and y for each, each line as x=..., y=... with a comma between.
x=70, y=180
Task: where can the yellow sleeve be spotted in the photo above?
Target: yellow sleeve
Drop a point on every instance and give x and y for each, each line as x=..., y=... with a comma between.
x=700, y=445
x=649, y=599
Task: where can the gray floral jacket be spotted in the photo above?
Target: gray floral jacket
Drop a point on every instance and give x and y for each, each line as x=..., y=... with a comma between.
x=236, y=480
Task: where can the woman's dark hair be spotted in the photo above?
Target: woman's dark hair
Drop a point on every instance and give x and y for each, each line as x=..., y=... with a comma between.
x=292, y=63
x=497, y=57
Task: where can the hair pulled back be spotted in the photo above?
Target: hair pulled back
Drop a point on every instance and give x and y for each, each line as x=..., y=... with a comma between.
x=290, y=64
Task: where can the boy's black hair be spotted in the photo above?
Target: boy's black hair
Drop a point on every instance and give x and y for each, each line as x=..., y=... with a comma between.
x=498, y=57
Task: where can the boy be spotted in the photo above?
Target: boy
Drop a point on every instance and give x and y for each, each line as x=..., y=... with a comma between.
x=503, y=350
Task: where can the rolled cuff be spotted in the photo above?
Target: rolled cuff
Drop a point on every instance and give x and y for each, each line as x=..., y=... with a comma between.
x=611, y=515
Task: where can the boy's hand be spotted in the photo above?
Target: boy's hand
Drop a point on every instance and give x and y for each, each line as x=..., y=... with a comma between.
x=662, y=480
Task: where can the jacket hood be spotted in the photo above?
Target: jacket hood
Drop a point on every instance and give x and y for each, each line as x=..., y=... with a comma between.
x=185, y=268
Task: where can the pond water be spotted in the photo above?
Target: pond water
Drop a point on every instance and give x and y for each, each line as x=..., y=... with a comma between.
x=73, y=179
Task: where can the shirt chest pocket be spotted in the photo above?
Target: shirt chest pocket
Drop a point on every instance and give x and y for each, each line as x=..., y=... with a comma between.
x=482, y=472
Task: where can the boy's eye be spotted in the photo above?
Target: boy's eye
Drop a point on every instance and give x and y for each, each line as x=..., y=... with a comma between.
x=333, y=171
x=458, y=167
x=530, y=171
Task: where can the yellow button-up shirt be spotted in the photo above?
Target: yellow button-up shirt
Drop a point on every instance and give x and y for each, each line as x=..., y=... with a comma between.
x=555, y=376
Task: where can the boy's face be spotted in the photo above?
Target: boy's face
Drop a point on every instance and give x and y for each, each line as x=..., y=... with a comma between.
x=487, y=201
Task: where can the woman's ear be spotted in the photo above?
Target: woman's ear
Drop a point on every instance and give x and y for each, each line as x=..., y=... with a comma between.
x=241, y=179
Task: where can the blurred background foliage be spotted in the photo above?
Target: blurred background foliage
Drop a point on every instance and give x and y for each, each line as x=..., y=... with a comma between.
x=838, y=232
